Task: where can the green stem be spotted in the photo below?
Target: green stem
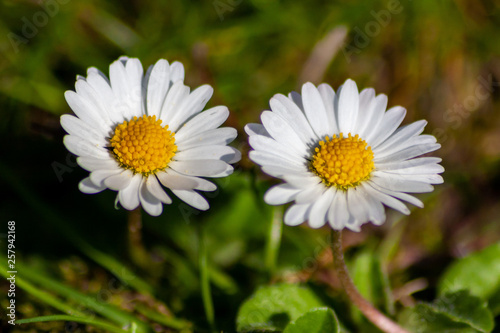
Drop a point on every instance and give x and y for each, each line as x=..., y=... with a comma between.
x=274, y=239
x=137, y=251
x=371, y=313
x=205, y=280
x=94, y=322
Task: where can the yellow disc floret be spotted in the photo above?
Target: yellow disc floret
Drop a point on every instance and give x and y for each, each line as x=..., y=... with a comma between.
x=143, y=145
x=343, y=162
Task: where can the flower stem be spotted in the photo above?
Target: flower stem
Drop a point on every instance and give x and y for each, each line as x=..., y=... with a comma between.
x=274, y=239
x=137, y=251
x=371, y=313
x=206, y=293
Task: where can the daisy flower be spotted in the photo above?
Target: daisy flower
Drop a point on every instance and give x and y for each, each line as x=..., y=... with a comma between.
x=137, y=132
x=342, y=156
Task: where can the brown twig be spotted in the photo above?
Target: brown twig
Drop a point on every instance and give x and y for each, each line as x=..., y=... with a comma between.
x=370, y=312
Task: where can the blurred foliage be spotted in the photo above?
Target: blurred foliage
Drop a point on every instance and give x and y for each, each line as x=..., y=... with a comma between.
x=439, y=59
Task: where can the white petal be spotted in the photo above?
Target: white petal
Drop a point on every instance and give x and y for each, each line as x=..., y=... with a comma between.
x=85, y=111
x=357, y=206
x=87, y=93
x=81, y=147
x=401, y=177
x=348, y=106
x=418, y=170
x=374, y=118
x=319, y=210
x=155, y=189
x=149, y=202
x=328, y=95
x=269, y=145
x=277, y=159
x=375, y=209
x=399, y=195
x=310, y=194
x=338, y=215
x=192, y=198
x=297, y=99
x=94, y=71
x=129, y=196
x=197, y=183
x=176, y=72
x=256, y=129
x=120, y=181
x=400, y=184
x=392, y=119
x=191, y=105
x=282, y=132
x=134, y=72
x=144, y=87
x=157, y=87
x=387, y=199
x=296, y=214
x=206, y=120
x=77, y=127
x=99, y=176
x=218, y=136
x=315, y=110
x=202, y=168
x=280, y=194
x=302, y=181
x=223, y=153
x=288, y=110
x=88, y=187
x=365, y=111
x=415, y=162
x=414, y=141
x=175, y=181
x=408, y=153
x=280, y=171
x=174, y=100
x=122, y=89
x=92, y=163
x=101, y=86
x=400, y=136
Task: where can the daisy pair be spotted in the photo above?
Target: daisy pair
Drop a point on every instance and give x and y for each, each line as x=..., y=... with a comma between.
x=138, y=131
x=341, y=155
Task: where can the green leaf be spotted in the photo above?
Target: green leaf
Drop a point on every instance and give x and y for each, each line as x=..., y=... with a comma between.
x=271, y=308
x=494, y=303
x=479, y=273
x=371, y=281
x=320, y=320
x=452, y=312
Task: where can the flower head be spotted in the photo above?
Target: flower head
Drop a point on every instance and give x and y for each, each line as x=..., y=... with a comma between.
x=134, y=132
x=342, y=156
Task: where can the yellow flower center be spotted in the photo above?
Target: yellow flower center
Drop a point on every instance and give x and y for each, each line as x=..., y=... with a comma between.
x=143, y=145
x=343, y=162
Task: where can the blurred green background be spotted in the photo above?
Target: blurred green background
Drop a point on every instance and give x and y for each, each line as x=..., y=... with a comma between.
x=439, y=59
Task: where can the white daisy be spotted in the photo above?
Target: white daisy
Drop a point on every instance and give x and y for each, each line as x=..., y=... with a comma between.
x=342, y=156
x=134, y=132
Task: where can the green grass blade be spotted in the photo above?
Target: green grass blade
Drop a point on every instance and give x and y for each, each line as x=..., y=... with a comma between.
x=106, y=310
x=93, y=322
